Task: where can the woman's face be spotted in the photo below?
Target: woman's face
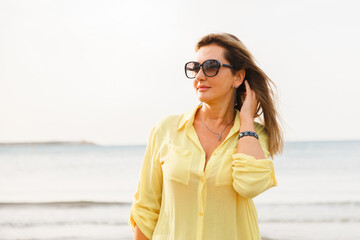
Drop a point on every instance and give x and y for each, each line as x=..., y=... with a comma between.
x=220, y=87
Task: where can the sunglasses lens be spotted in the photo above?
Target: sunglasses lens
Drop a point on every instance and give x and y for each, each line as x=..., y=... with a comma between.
x=191, y=69
x=211, y=67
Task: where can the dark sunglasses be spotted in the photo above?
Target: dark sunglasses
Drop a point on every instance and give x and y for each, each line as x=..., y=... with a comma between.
x=210, y=68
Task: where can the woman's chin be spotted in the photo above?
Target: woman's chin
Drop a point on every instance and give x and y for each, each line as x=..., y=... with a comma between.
x=203, y=97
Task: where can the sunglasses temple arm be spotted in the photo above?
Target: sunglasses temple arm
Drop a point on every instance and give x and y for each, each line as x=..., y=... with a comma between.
x=226, y=65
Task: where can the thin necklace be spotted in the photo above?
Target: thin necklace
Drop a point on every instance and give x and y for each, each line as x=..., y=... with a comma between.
x=219, y=133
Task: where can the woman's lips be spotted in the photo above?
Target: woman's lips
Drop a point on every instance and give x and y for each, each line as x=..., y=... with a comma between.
x=203, y=88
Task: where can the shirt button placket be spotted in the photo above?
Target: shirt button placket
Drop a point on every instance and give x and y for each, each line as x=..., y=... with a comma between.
x=201, y=206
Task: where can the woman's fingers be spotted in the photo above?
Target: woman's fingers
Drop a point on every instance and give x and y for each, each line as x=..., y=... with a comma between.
x=250, y=103
x=247, y=86
x=249, y=90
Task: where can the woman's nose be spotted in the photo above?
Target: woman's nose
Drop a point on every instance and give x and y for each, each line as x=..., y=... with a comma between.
x=200, y=75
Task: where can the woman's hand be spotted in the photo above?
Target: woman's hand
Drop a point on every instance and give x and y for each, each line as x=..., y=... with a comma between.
x=248, y=109
x=138, y=235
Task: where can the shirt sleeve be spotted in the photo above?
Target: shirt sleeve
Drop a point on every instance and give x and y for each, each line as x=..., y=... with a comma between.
x=147, y=199
x=253, y=176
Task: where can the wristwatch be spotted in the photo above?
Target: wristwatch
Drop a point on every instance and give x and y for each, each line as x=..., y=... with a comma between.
x=248, y=133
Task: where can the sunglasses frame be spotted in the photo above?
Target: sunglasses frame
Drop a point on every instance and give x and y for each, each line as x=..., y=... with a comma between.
x=201, y=66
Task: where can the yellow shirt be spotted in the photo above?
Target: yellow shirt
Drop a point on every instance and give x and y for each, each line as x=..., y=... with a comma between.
x=177, y=200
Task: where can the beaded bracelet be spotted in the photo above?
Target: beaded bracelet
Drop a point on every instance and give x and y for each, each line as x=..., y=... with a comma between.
x=248, y=133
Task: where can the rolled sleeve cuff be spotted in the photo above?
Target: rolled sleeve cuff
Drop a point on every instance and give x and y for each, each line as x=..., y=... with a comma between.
x=252, y=176
x=144, y=223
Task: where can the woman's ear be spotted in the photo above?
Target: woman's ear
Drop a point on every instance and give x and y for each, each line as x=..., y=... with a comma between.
x=239, y=77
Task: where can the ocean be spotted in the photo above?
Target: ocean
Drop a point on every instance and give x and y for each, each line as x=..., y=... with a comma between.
x=64, y=191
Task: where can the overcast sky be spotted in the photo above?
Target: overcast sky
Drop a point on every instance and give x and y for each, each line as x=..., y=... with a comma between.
x=107, y=71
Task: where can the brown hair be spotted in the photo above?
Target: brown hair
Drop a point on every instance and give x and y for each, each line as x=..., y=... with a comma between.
x=238, y=56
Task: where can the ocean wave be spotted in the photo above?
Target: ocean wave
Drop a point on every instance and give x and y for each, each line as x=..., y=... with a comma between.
x=342, y=203
x=60, y=223
x=79, y=204
x=70, y=204
x=311, y=212
x=124, y=223
x=318, y=220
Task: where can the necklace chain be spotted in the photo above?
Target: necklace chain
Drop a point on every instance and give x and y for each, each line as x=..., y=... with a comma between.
x=217, y=133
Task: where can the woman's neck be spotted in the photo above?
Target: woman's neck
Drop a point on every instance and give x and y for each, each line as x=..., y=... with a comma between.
x=216, y=115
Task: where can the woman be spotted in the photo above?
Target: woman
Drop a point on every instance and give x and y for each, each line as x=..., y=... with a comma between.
x=201, y=169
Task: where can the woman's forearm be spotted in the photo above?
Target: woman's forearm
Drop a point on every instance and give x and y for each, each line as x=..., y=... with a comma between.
x=138, y=235
x=248, y=144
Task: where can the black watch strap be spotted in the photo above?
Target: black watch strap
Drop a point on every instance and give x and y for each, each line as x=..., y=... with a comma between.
x=248, y=133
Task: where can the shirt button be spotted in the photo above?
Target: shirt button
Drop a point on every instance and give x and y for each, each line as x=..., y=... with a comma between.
x=200, y=214
x=202, y=179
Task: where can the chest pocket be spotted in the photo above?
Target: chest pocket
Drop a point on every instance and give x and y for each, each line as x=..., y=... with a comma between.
x=176, y=163
x=224, y=174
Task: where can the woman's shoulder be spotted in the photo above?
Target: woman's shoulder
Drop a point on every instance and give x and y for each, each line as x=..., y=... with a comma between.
x=175, y=121
x=168, y=124
x=168, y=121
x=165, y=128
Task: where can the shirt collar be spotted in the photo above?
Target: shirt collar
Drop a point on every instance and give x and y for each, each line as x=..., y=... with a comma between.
x=187, y=119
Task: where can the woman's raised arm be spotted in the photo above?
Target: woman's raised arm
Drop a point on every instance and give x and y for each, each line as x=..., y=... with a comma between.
x=253, y=171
